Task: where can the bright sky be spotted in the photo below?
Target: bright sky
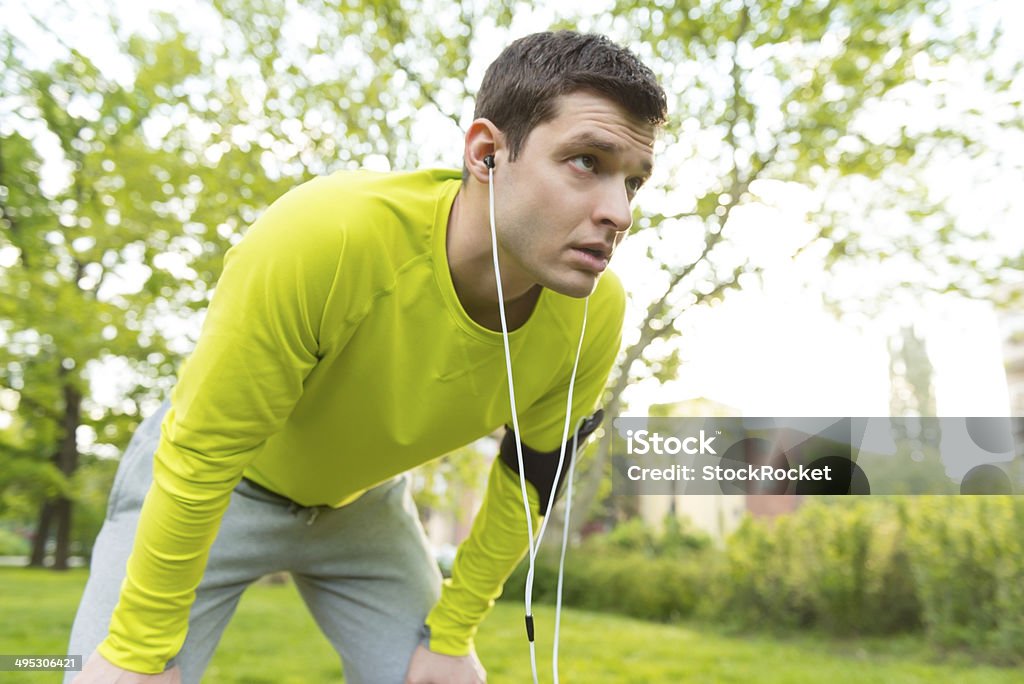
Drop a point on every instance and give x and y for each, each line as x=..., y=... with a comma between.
x=772, y=351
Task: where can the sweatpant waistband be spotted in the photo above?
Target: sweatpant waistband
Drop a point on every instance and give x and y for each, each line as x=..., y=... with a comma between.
x=247, y=487
x=265, y=494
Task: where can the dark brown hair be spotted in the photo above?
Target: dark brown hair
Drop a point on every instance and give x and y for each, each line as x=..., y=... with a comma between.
x=521, y=86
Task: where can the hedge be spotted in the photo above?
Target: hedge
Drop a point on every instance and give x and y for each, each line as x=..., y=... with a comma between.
x=950, y=568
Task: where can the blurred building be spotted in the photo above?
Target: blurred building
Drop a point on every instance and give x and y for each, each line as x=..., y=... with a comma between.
x=716, y=515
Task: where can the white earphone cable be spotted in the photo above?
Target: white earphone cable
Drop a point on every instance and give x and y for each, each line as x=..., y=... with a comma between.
x=515, y=415
x=565, y=544
x=535, y=544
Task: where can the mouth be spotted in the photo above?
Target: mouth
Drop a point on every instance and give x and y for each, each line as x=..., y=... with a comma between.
x=591, y=257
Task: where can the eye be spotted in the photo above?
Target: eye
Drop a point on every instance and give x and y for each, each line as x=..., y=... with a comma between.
x=585, y=162
x=634, y=184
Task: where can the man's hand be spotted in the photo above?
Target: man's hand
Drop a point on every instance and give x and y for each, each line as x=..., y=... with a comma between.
x=99, y=670
x=427, y=667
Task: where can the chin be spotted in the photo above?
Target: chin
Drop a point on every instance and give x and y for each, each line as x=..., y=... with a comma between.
x=580, y=286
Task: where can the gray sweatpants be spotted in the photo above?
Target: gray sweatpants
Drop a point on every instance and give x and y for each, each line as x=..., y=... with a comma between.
x=364, y=570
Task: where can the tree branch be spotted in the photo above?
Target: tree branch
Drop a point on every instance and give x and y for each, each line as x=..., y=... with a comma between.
x=737, y=86
x=37, y=406
x=8, y=215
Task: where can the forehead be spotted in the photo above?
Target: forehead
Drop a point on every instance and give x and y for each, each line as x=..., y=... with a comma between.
x=592, y=118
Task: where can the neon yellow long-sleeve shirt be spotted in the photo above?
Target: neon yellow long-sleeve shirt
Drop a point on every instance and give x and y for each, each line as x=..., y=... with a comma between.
x=335, y=355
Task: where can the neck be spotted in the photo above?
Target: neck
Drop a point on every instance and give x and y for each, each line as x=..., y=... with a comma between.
x=471, y=264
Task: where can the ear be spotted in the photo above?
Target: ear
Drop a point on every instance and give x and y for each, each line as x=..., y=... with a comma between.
x=483, y=138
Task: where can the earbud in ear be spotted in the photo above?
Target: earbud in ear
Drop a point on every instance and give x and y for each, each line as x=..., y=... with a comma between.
x=489, y=161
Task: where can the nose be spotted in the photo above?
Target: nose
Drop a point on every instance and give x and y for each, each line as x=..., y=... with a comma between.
x=613, y=208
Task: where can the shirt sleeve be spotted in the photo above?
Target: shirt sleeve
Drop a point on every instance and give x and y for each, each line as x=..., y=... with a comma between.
x=498, y=539
x=258, y=343
x=496, y=543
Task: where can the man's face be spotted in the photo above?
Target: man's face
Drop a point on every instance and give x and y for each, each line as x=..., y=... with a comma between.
x=563, y=206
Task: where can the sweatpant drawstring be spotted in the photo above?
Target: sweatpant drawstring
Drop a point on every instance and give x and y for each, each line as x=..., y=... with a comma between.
x=314, y=512
x=294, y=509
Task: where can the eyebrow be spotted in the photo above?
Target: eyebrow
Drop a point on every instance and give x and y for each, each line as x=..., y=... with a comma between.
x=598, y=143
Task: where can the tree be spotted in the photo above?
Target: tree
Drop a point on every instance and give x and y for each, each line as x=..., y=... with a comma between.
x=65, y=302
x=916, y=466
x=165, y=167
x=772, y=95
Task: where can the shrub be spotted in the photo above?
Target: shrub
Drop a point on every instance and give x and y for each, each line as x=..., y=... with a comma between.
x=621, y=573
x=950, y=566
x=968, y=565
x=12, y=544
x=841, y=569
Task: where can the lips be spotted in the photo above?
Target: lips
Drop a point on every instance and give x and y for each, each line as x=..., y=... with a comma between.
x=593, y=257
x=598, y=249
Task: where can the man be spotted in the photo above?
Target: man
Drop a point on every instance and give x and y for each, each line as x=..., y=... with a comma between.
x=353, y=336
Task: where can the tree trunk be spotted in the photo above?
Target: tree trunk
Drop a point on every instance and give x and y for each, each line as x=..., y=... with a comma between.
x=590, y=483
x=42, y=534
x=67, y=463
x=62, y=551
x=55, y=514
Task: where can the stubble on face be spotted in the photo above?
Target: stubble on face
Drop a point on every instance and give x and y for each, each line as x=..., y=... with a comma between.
x=565, y=203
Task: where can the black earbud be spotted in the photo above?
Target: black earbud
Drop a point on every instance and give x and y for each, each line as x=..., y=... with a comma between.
x=489, y=161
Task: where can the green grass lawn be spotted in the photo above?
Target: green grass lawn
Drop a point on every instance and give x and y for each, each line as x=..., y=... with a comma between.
x=273, y=640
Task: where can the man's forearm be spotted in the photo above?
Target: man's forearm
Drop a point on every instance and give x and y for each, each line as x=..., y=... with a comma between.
x=168, y=559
